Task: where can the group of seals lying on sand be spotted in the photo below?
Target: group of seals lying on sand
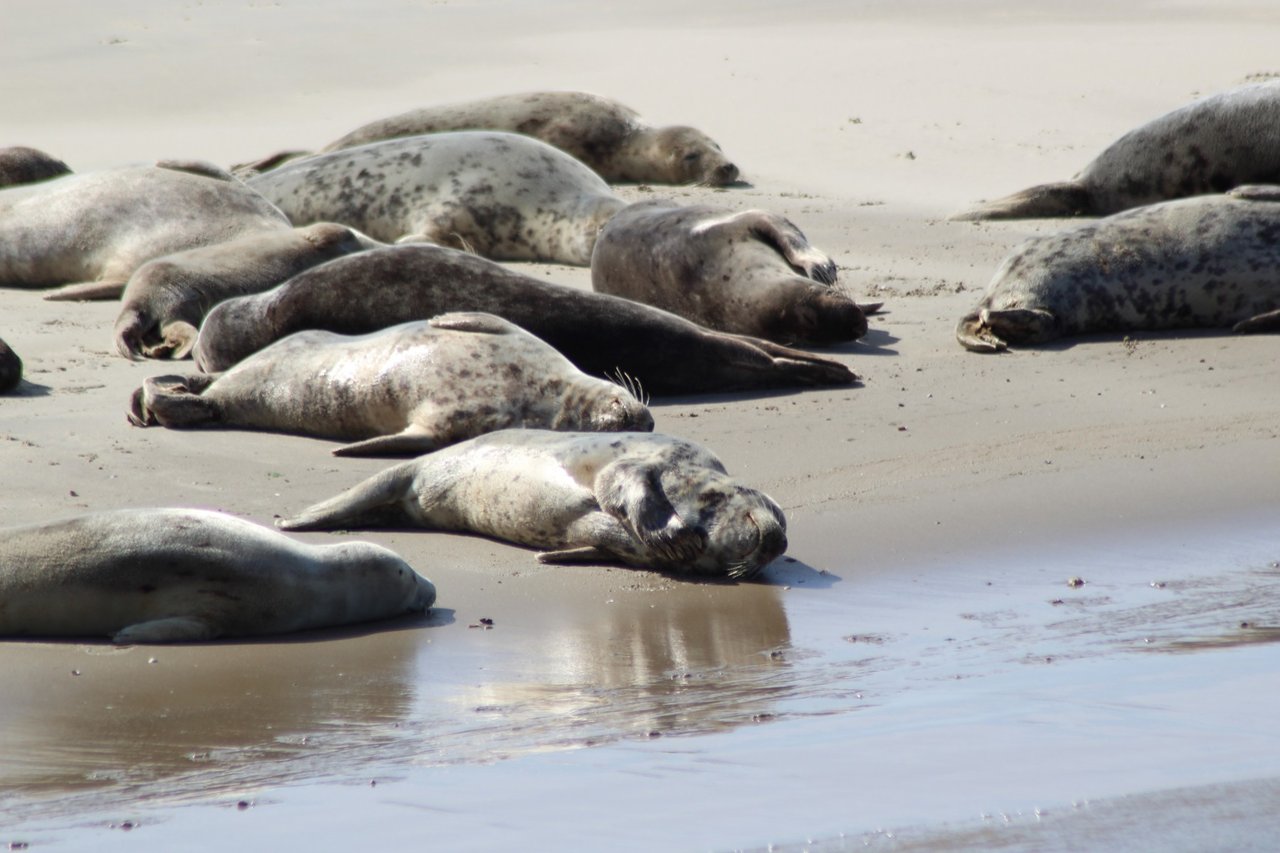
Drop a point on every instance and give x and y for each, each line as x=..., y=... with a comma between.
x=643, y=499
x=412, y=388
x=185, y=575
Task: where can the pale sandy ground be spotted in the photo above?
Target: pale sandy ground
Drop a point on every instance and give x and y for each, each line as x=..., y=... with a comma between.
x=917, y=675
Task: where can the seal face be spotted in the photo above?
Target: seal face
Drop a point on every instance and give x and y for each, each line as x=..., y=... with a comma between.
x=1205, y=261
x=1208, y=146
x=185, y=575
x=10, y=368
x=95, y=229
x=603, y=335
x=610, y=138
x=750, y=273
x=643, y=499
x=22, y=165
x=412, y=388
x=166, y=299
x=500, y=195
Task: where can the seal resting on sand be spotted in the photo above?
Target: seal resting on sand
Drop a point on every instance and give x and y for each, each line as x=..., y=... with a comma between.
x=751, y=273
x=610, y=138
x=1209, y=146
x=412, y=388
x=93, y=230
x=642, y=499
x=1205, y=261
x=500, y=195
x=187, y=575
x=22, y=165
x=166, y=299
x=603, y=335
x=10, y=368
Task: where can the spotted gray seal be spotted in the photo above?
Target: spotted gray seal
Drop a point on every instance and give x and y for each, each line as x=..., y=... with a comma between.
x=165, y=300
x=500, y=195
x=610, y=138
x=1208, y=146
x=411, y=388
x=94, y=229
x=22, y=165
x=603, y=335
x=10, y=368
x=643, y=499
x=1204, y=261
x=751, y=273
x=186, y=575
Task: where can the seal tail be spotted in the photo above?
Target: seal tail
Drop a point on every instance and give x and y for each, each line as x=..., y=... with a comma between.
x=1067, y=198
x=378, y=500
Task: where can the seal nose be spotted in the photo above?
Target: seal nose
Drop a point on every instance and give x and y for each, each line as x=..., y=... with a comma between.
x=724, y=174
x=626, y=414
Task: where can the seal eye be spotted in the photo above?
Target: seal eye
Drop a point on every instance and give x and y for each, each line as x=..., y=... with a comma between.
x=691, y=156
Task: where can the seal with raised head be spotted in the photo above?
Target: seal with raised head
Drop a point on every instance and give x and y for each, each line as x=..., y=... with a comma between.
x=10, y=368
x=411, y=388
x=751, y=273
x=1209, y=261
x=1208, y=146
x=610, y=138
x=603, y=335
x=91, y=231
x=187, y=575
x=166, y=299
x=500, y=195
x=643, y=499
x=22, y=165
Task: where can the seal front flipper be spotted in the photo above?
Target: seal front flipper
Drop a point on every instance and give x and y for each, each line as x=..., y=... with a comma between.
x=474, y=321
x=413, y=441
x=1268, y=321
x=1066, y=198
x=632, y=492
x=175, y=629
x=87, y=291
x=789, y=242
x=583, y=554
x=379, y=500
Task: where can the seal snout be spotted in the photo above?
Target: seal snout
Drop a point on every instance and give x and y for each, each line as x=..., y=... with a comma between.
x=723, y=175
x=770, y=544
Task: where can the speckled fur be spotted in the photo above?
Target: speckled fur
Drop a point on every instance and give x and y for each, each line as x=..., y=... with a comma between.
x=642, y=499
x=1207, y=261
x=500, y=195
x=1209, y=146
x=751, y=273
x=603, y=335
x=101, y=226
x=185, y=575
x=22, y=165
x=426, y=383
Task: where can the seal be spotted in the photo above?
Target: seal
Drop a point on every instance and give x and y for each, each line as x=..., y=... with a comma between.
x=10, y=368
x=166, y=299
x=187, y=575
x=1208, y=146
x=642, y=499
x=22, y=165
x=751, y=273
x=603, y=335
x=95, y=229
x=610, y=138
x=1206, y=261
x=411, y=388
x=500, y=195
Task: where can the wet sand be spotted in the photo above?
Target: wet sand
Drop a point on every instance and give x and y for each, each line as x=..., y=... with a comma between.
x=915, y=674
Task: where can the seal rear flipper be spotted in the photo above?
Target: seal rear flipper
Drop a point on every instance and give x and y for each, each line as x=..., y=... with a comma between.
x=412, y=442
x=870, y=307
x=756, y=355
x=376, y=501
x=175, y=629
x=1066, y=198
x=633, y=494
x=975, y=336
x=178, y=342
x=1255, y=192
x=87, y=291
x=1268, y=321
x=173, y=401
x=266, y=164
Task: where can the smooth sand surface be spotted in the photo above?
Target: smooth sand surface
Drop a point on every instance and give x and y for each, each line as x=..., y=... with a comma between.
x=916, y=674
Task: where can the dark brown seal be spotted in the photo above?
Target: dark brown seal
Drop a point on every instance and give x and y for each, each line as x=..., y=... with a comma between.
x=1208, y=261
x=1209, y=146
x=10, y=368
x=751, y=273
x=22, y=165
x=603, y=335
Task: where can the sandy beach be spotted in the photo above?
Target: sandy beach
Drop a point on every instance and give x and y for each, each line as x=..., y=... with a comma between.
x=915, y=674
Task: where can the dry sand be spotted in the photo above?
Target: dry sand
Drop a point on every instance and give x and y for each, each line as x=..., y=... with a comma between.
x=915, y=675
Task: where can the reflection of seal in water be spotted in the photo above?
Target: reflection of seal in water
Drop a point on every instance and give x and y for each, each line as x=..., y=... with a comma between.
x=167, y=298
x=10, y=368
x=610, y=138
x=185, y=575
x=752, y=273
x=1206, y=261
x=22, y=165
x=601, y=334
x=500, y=195
x=1208, y=146
x=639, y=498
x=97, y=228
x=408, y=389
